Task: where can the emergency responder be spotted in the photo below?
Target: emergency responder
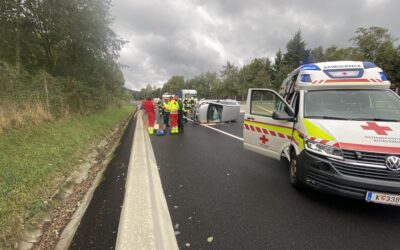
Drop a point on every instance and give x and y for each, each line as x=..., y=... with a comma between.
x=181, y=112
x=149, y=107
x=186, y=107
x=166, y=113
x=160, y=117
x=186, y=103
x=191, y=104
x=173, y=107
x=160, y=111
x=160, y=108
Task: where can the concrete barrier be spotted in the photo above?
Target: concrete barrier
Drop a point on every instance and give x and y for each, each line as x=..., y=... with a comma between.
x=145, y=222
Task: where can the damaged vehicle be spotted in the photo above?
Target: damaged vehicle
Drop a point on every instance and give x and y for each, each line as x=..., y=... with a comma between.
x=214, y=111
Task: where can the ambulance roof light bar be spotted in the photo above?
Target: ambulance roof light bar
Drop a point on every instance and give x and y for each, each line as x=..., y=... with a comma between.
x=310, y=67
x=368, y=65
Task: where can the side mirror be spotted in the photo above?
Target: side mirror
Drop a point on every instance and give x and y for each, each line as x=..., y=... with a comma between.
x=282, y=115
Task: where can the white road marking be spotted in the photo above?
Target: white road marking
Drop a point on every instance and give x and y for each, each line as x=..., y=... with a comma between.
x=222, y=132
x=218, y=130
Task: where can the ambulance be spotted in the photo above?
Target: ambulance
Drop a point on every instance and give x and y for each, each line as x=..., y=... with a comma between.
x=337, y=123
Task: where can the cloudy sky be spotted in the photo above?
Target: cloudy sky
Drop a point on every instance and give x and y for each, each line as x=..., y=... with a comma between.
x=183, y=37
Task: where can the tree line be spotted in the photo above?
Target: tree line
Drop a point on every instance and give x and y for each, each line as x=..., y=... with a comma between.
x=59, y=54
x=374, y=44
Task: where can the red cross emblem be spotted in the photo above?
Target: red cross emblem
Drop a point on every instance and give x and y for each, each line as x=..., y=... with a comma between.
x=263, y=139
x=380, y=130
x=344, y=73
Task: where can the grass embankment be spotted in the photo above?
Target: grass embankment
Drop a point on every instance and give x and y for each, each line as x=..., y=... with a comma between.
x=34, y=161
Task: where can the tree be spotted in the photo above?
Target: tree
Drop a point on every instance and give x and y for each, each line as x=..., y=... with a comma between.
x=174, y=84
x=376, y=44
x=70, y=39
x=229, y=80
x=317, y=55
x=370, y=41
x=204, y=84
x=280, y=69
x=257, y=74
x=296, y=51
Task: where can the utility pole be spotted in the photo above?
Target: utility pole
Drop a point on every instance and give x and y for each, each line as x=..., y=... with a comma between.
x=46, y=92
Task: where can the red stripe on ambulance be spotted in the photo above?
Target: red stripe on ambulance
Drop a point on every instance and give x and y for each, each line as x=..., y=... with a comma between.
x=347, y=80
x=369, y=148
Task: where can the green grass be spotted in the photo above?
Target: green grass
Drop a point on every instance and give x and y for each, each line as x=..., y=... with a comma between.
x=35, y=161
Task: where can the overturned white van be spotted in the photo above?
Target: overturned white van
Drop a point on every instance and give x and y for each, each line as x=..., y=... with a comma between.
x=212, y=111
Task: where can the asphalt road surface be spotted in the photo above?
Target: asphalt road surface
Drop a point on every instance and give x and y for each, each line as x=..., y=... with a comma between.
x=221, y=196
x=99, y=226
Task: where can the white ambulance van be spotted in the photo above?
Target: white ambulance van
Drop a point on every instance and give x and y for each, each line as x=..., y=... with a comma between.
x=337, y=123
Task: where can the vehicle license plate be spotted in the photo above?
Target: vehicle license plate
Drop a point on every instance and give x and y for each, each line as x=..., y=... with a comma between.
x=390, y=199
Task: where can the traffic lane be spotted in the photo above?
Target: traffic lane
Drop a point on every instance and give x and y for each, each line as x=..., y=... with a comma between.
x=244, y=201
x=235, y=127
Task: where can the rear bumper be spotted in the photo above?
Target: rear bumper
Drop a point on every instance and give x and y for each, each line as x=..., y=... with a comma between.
x=320, y=173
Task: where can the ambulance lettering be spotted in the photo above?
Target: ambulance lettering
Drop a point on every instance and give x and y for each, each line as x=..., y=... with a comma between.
x=343, y=66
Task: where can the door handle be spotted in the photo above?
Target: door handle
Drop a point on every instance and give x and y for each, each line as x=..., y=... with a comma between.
x=250, y=118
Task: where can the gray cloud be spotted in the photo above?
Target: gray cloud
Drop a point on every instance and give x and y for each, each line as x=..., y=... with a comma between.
x=183, y=37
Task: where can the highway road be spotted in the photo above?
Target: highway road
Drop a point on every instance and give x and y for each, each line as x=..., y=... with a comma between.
x=221, y=196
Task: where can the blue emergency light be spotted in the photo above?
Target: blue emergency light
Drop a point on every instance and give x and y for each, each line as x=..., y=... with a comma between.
x=383, y=76
x=310, y=67
x=368, y=65
x=305, y=78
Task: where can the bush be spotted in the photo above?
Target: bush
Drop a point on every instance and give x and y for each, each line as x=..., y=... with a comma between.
x=27, y=98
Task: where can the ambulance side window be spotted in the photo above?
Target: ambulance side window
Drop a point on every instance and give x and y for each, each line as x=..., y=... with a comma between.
x=264, y=103
x=289, y=89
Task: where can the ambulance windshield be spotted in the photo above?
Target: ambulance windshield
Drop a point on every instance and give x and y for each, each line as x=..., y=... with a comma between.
x=378, y=105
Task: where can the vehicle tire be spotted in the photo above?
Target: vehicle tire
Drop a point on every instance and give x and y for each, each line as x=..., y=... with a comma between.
x=294, y=171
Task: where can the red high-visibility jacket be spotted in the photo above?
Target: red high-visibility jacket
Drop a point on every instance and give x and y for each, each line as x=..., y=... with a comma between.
x=149, y=106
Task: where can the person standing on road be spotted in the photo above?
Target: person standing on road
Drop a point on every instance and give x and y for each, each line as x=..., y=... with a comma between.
x=192, y=103
x=160, y=112
x=173, y=107
x=166, y=114
x=181, y=111
x=187, y=108
x=149, y=107
x=160, y=108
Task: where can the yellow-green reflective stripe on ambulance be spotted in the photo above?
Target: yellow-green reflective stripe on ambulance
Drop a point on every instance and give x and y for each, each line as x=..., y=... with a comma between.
x=299, y=140
x=314, y=131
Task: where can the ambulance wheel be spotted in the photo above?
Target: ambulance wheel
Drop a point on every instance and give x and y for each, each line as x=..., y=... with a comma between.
x=294, y=171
